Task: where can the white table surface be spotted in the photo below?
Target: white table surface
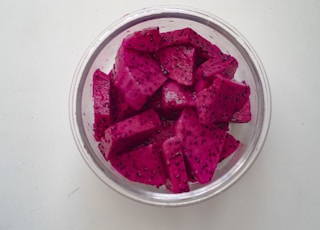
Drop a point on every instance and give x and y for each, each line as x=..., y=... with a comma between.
x=45, y=184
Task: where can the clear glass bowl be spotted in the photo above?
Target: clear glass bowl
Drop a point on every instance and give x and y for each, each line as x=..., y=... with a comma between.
x=101, y=54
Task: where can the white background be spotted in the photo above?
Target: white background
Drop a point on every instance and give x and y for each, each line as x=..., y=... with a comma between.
x=44, y=182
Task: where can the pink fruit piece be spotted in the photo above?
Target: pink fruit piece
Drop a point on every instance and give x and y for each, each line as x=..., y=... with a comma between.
x=230, y=145
x=223, y=65
x=176, y=168
x=177, y=97
x=129, y=133
x=202, y=77
x=144, y=165
x=226, y=67
x=243, y=115
x=223, y=125
x=147, y=40
x=175, y=37
x=178, y=63
x=187, y=36
x=120, y=107
x=170, y=114
x=102, y=103
x=154, y=102
x=221, y=100
x=191, y=176
x=137, y=76
x=205, y=49
x=165, y=131
x=202, y=144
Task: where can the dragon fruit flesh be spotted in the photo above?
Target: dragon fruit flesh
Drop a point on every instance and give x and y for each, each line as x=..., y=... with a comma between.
x=164, y=131
x=137, y=76
x=243, y=115
x=230, y=145
x=176, y=168
x=178, y=63
x=162, y=115
x=202, y=144
x=204, y=76
x=204, y=48
x=143, y=165
x=147, y=40
x=129, y=133
x=120, y=107
x=156, y=103
x=223, y=66
x=102, y=103
x=187, y=36
x=222, y=125
x=175, y=37
x=176, y=96
x=221, y=100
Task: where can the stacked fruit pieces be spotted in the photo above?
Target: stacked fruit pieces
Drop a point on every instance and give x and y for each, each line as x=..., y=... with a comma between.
x=162, y=113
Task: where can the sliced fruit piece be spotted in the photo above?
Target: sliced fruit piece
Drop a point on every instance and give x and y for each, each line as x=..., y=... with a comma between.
x=137, y=76
x=221, y=100
x=176, y=96
x=230, y=145
x=176, y=168
x=178, y=62
x=243, y=115
x=147, y=40
x=202, y=144
x=102, y=103
x=128, y=133
x=143, y=165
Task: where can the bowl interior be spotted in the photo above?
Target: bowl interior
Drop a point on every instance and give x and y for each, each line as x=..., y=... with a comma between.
x=102, y=55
